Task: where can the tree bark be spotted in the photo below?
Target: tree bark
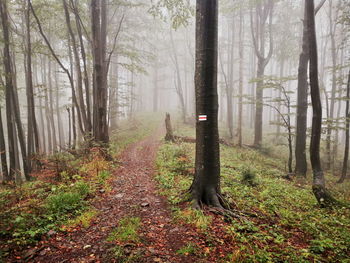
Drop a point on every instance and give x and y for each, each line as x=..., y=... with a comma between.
x=263, y=11
x=347, y=126
x=240, y=88
x=319, y=185
x=98, y=22
x=169, y=130
x=32, y=129
x=8, y=89
x=206, y=184
x=4, y=166
x=302, y=100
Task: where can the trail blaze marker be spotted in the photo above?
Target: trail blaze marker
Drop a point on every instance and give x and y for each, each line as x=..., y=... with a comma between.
x=202, y=117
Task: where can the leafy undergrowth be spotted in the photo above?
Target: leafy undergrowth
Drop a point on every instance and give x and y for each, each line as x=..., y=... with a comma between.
x=60, y=196
x=285, y=222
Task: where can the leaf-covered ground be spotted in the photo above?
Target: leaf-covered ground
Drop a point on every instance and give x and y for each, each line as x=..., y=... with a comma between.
x=280, y=221
x=134, y=207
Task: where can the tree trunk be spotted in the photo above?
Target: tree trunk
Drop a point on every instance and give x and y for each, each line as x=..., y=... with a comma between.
x=264, y=10
x=302, y=104
x=79, y=78
x=347, y=126
x=4, y=167
x=113, y=94
x=178, y=82
x=240, y=88
x=50, y=109
x=98, y=22
x=206, y=184
x=169, y=130
x=32, y=130
x=8, y=89
x=319, y=185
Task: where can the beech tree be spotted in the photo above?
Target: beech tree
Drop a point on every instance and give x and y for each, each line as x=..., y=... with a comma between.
x=264, y=11
x=99, y=35
x=302, y=99
x=319, y=183
x=206, y=184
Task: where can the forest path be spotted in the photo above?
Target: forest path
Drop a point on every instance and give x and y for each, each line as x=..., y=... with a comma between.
x=133, y=194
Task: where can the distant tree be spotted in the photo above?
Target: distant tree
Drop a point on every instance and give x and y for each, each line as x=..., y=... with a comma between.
x=264, y=12
x=206, y=184
x=347, y=126
x=285, y=116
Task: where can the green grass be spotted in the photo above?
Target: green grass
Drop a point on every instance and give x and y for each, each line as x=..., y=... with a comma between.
x=59, y=201
x=189, y=249
x=127, y=230
x=289, y=227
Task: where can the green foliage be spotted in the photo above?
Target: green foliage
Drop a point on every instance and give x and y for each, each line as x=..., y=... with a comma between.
x=179, y=12
x=173, y=167
x=189, y=249
x=63, y=203
x=126, y=231
x=249, y=177
x=287, y=216
x=120, y=254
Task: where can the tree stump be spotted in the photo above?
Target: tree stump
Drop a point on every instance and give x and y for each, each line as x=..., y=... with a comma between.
x=169, y=130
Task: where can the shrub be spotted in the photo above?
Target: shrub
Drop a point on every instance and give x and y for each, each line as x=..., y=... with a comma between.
x=249, y=177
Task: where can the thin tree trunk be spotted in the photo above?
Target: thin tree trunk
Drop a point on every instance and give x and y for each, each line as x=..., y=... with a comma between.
x=319, y=184
x=347, y=126
x=178, y=82
x=263, y=11
x=4, y=167
x=32, y=132
x=240, y=88
x=79, y=78
x=50, y=109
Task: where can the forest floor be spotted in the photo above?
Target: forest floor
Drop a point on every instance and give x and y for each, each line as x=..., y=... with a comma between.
x=132, y=198
x=135, y=208
x=133, y=222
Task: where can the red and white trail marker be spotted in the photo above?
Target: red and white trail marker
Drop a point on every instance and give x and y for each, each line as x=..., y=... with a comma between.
x=202, y=117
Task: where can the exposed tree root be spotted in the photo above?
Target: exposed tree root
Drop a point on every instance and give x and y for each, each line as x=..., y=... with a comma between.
x=324, y=198
x=222, y=208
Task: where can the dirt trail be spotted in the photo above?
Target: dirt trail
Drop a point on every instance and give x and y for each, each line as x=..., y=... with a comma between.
x=133, y=194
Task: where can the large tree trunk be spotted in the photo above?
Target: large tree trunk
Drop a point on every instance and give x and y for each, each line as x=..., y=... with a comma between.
x=98, y=21
x=8, y=89
x=319, y=184
x=206, y=184
x=347, y=126
x=302, y=100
